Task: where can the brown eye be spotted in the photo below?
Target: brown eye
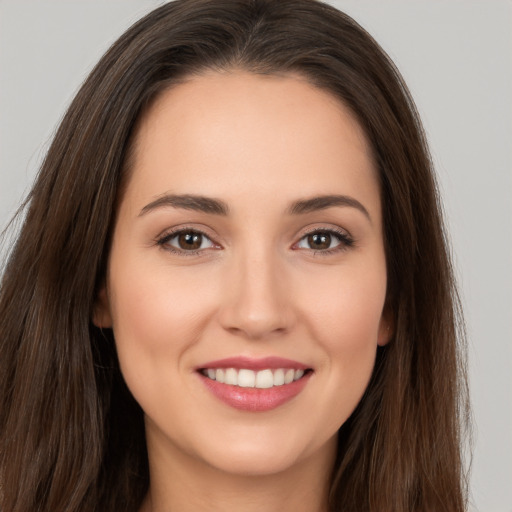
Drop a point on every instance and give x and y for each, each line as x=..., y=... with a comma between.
x=319, y=241
x=325, y=241
x=189, y=241
x=186, y=241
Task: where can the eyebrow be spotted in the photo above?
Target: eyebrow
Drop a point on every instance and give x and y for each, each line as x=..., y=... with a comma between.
x=219, y=207
x=188, y=202
x=303, y=206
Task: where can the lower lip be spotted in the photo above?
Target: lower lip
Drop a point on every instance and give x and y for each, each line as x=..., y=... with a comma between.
x=255, y=399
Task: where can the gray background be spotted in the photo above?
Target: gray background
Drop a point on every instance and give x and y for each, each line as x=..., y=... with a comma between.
x=456, y=56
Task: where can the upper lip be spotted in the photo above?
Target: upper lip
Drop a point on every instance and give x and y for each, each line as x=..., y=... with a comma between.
x=250, y=363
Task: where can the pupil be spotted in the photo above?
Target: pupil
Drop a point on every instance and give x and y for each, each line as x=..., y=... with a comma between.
x=319, y=241
x=189, y=241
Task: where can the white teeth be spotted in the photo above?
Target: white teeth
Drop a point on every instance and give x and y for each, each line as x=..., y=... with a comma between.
x=219, y=376
x=231, y=377
x=279, y=377
x=288, y=376
x=262, y=379
x=246, y=378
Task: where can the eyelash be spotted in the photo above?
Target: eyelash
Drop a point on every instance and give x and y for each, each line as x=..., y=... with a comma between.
x=345, y=241
x=163, y=241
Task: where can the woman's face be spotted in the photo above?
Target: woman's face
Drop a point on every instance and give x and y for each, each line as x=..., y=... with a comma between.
x=248, y=249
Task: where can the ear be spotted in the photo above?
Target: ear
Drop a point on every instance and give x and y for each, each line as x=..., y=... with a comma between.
x=386, y=327
x=101, y=316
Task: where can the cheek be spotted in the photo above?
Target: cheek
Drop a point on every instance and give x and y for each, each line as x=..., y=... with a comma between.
x=156, y=317
x=151, y=300
x=347, y=308
x=156, y=322
x=345, y=320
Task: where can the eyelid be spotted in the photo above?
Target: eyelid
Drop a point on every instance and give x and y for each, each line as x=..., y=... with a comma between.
x=345, y=238
x=164, y=237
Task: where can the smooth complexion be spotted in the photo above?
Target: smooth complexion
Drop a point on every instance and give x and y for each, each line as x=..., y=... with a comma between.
x=260, y=268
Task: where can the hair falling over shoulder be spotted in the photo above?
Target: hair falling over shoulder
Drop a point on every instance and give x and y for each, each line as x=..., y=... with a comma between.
x=71, y=434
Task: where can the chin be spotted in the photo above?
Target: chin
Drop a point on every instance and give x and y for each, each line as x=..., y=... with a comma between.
x=261, y=455
x=261, y=464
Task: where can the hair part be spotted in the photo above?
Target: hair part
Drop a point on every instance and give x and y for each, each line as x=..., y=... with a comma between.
x=72, y=436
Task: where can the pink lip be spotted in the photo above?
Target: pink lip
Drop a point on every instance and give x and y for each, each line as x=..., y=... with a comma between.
x=254, y=399
x=255, y=364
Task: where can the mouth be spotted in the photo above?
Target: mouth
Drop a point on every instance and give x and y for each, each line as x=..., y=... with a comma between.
x=262, y=379
x=255, y=385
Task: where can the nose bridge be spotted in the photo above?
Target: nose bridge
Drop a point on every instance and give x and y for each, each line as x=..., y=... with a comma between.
x=257, y=304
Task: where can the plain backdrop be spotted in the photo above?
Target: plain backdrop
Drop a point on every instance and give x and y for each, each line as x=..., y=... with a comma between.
x=456, y=56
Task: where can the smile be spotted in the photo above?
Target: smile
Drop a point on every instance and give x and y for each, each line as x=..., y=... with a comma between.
x=255, y=385
x=245, y=378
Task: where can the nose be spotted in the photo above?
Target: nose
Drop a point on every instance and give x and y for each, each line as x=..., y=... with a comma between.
x=258, y=304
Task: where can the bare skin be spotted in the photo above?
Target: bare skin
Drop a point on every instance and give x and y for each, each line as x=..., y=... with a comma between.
x=289, y=263
x=298, y=491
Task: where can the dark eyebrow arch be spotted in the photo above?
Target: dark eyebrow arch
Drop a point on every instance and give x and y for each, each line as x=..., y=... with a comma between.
x=323, y=202
x=188, y=202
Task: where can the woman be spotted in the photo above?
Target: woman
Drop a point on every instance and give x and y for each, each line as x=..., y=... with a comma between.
x=231, y=289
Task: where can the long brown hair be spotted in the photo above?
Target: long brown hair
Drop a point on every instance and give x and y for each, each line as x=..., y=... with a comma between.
x=72, y=437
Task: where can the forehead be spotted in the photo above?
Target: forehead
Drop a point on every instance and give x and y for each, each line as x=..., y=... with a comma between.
x=239, y=133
